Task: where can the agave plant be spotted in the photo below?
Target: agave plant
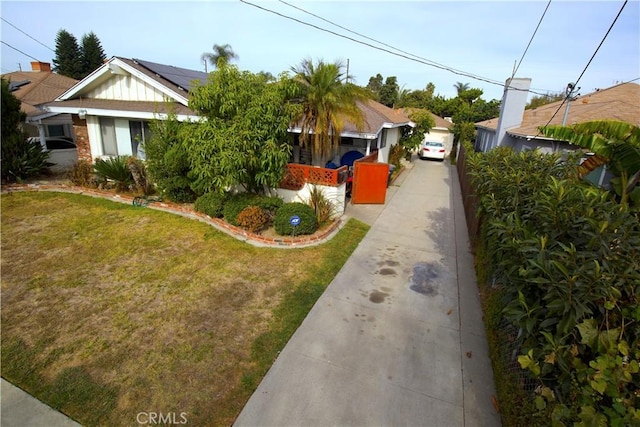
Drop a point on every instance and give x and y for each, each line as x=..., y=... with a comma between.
x=115, y=169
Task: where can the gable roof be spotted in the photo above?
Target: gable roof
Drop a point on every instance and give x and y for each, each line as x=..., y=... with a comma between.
x=37, y=87
x=620, y=102
x=173, y=82
x=440, y=123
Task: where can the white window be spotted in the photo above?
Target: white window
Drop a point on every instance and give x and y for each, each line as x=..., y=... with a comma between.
x=140, y=133
x=108, y=133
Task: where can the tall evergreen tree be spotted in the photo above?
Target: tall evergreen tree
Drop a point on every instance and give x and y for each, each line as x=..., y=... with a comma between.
x=68, y=59
x=93, y=55
x=389, y=91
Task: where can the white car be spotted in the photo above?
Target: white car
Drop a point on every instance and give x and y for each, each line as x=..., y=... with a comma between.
x=432, y=150
x=63, y=152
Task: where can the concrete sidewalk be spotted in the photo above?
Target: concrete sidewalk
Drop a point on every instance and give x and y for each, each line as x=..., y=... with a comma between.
x=397, y=338
x=20, y=409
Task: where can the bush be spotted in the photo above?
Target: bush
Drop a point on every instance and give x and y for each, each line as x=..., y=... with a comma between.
x=565, y=255
x=22, y=159
x=116, y=170
x=308, y=222
x=237, y=203
x=82, y=174
x=139, y=174
x=324, y=209
x=253, y=218
x=211, y=204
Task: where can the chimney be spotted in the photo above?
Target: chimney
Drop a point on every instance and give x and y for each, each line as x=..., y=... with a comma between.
x=40, y=67
x=514, y=99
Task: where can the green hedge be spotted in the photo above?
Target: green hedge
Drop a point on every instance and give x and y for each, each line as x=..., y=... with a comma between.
x=565, y=257
x=308, y=222
x=211, y=204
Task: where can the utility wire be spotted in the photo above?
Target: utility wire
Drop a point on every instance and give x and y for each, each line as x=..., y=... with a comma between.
x=28, y=35
x=430, y=63
x=382, y=43
x=566, y=98
x=25, y=54
x=532, y=36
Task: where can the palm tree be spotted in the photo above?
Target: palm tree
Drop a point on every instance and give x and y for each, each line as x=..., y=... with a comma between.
x=461, y=87
x=614, y=143
x=220, y=52
x=326, y=103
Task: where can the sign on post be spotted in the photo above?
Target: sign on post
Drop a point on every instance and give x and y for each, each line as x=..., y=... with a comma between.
x=294, y=221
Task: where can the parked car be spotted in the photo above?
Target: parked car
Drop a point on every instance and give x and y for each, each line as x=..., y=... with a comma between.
x=63, y=152
x=432, y=150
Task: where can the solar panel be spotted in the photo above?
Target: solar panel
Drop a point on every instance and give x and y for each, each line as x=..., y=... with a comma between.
x=179, y=76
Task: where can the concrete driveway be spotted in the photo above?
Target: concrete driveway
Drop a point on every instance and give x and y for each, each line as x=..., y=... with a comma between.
x=397, y=338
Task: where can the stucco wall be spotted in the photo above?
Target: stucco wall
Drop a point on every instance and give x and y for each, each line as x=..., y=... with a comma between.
x=335, y=194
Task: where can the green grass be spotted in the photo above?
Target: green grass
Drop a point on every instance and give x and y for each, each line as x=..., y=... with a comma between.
x=109, y=309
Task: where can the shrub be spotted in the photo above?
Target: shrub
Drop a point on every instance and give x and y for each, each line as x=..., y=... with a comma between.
x=82, y=174
x=308, y=222
x=565, y=255
x=324, y=209
x=22, y=159
x=139, y=174
x=253, y=218
x=236, y=204
x=211, y=204
x=116, y=170
x=167, y=160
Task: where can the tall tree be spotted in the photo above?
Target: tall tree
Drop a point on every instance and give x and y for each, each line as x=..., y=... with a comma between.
x=244, y=140
x=374, y=85
x=220, y=52
x=389, y=91
x=93, y=55
x=326, y=103
x=461, y=87
x=539, y=100
x=68, y=59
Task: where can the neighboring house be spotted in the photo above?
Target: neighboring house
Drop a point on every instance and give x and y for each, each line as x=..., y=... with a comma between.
x=440, y=132
x=112, y=107
x=518, y=128
x=39, y=86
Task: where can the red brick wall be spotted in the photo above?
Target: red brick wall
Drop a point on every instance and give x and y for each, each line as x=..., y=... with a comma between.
x=82, y=138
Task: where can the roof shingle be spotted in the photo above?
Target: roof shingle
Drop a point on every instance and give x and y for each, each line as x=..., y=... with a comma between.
x=620, y=103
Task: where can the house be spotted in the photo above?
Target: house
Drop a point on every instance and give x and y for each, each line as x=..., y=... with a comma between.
x=38, y=86
x=112, y=107
x=518, y=128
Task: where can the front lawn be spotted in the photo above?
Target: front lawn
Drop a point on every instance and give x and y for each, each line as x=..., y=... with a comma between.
x=110, y=310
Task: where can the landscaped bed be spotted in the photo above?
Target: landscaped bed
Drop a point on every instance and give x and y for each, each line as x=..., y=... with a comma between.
x=110, y=311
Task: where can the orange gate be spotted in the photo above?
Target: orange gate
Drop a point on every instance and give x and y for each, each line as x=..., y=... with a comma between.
x=370, y=181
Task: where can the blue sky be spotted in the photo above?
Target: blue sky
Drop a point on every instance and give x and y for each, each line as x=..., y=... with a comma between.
x=485, y=39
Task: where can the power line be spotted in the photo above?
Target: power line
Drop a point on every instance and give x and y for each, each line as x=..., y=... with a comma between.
x=435, y=64
x=586, y=66
x=427, y=62
x=32, y=38
x=18, y=50
x=532, y=36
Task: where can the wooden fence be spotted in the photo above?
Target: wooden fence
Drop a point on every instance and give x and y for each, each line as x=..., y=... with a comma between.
x=469, y=198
